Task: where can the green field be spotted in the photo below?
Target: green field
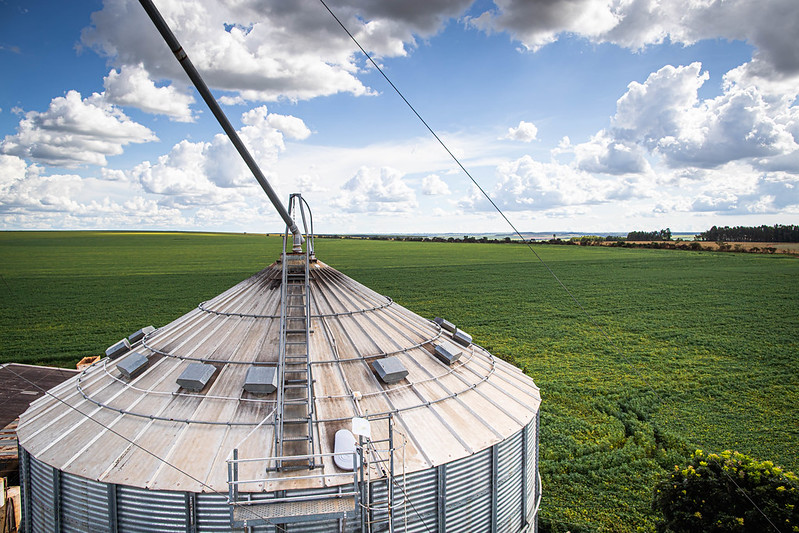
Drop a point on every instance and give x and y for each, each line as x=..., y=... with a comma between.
x=703, y=350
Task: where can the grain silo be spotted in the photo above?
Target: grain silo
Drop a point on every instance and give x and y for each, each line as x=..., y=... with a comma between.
x=297, y=400
x=145, y=439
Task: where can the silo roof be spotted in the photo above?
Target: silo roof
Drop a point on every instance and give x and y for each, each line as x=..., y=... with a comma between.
x=148, y=432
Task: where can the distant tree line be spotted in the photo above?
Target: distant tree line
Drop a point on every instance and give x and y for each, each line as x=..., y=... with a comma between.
x=775, y=233
x=662, y=235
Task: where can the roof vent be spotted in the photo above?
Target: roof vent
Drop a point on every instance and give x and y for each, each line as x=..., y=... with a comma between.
x=132, y=365
x=139, y=335
x=446, y=324
x=461, y=337
x=196, y=376
x=445, y=356
x=118, y=349
x=261, y=380
x=390, y=369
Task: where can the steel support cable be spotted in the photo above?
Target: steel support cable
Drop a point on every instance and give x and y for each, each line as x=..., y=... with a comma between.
x=525, y=241
x=128, y=440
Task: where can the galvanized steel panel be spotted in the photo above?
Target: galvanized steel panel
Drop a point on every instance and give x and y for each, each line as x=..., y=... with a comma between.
x=213, y=513
x=146, y=511
x=468, y=498
x=416, y=502
x=510, y=484
x=532, y=466
x=84, y=505
x=42, y=497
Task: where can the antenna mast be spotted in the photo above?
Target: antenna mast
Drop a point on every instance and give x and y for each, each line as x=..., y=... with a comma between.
x=202, y=88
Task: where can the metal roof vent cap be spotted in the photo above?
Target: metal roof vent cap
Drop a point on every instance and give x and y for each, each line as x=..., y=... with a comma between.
x=118, y=349
x=132, y=365
x=139, y=335
x=446, y=356
x=196, y=376
x=390, y=369
x=261, y=380
x=461, y=337
x=445, y=324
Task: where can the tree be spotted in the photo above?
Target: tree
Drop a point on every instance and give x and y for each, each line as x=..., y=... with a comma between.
x=718, y=493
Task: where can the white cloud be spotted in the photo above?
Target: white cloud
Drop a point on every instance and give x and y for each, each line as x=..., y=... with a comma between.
x=529, y=185
x=524, y=132
x=212, y=173
x=536, y=24
x=292, y=127
x=262, y=51
x=606, y=155
x=769, y=26
x=433, y=185
x=377, y=191
x=665, y=116
x=132, y=86
x=31, y=199
x=75, y=131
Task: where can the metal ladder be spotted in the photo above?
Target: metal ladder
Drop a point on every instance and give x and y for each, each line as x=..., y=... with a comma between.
x=378, y=510
x=294, y=428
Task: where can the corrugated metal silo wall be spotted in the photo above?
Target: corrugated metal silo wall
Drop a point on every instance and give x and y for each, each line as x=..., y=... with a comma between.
x=494, y=490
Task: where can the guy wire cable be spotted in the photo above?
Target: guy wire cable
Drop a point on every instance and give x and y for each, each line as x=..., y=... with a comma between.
x=588, y=315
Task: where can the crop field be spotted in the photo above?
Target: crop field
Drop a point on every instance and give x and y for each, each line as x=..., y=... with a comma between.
x=675, y=350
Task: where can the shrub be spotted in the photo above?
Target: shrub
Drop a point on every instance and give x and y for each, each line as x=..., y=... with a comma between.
x=712, y=494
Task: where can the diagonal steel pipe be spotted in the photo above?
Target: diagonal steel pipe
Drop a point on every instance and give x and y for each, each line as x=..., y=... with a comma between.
x=202, y=88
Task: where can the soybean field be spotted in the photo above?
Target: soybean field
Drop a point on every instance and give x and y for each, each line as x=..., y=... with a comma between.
x=644, y=356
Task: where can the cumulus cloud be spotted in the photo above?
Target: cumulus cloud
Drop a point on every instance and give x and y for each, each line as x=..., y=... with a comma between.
x=262, y=51
x=75, y=131
x=379, y=191
x=526, y=184
x=211, y=173
x=665, y=116
x=524, y=132
x=30, y=198
x=770, y=27
x=433, y=185
x=132, y=86
x=604, y=154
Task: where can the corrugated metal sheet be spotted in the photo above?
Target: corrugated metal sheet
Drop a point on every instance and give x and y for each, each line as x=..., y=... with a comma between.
x=84, y=505
x=468, y=499
x=146, y=511
x=532, y=467
x=416, y=502
x=468, y=487
x=213, y=513
x=43, y=507
x=510, y=484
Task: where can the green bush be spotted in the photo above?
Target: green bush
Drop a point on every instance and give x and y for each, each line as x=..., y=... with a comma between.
x=728, y=492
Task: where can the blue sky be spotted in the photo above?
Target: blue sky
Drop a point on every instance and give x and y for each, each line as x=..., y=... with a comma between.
x=581, y=115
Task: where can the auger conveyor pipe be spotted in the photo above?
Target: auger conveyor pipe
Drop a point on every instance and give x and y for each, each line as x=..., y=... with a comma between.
x=202, y=88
